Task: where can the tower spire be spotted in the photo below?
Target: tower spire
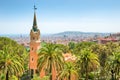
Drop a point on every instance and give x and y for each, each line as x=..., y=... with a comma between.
x=35, y=20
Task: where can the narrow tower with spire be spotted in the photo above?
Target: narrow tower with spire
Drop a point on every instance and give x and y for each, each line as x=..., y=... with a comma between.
x=34, y=45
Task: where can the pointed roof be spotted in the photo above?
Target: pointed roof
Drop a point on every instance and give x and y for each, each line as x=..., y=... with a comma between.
x=35, y=20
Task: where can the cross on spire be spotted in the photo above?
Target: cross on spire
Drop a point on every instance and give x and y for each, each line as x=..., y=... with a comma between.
x=35, y=8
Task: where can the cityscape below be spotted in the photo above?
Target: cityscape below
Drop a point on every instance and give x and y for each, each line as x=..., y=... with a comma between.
x=66, y=37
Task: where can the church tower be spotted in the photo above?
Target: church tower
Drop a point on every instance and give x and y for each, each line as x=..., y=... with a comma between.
x=34, y=45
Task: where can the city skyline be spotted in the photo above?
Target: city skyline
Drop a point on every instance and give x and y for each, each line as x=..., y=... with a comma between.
x=16, y=17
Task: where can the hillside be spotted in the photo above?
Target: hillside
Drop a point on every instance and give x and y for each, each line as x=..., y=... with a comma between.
x=80, y=34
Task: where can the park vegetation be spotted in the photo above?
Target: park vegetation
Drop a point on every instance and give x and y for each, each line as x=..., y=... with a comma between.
x=93, y=61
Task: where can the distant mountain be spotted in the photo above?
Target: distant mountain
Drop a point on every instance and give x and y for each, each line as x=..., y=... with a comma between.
x=80, y=34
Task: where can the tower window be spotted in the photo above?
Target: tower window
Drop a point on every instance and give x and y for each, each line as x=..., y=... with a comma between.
x=32, y=48
x=33, y=38
x=32, y=59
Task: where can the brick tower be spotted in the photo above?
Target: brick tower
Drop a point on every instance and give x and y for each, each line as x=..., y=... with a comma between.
x=34, y=45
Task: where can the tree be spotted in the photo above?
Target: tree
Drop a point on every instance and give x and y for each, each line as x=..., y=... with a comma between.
x=81, y=45
x=50, y=57
x=113, y=64
x=71, y=46
x=13, y=77
x=63, y=48
x=13, y=58
x=69, y=72
x=2, y=76
x=10, y=64
x=103, y=52
x=87, y=60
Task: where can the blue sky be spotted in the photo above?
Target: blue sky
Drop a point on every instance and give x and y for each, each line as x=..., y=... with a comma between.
x=54, y=16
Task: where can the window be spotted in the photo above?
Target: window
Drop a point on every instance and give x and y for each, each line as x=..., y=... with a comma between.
x=32, y=48
x=32, y=59
x=33, y=38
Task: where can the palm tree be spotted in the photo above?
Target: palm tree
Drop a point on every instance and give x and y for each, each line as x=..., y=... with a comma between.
x=63, y=48
x=113, y=64
x=50, y=57
x=88, y=60
x=71, y=46
x=69, y=72
x=81, y=45
x=103, y=52
x=10, y=63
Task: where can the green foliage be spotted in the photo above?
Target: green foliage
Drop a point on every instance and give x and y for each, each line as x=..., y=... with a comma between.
x=13, y=58
x=81, y=45
x=45, y=78
x=6, y=41
x=113, y=64
x=88, y=61
x=68, y=72
x=35, y=77
x=63, y=48
x=43, y=44
x=50, y=56
x=2, y=76
x=71, y=45
x=91, y=75
x=13, y=77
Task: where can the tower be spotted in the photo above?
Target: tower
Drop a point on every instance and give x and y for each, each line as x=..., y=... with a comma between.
x=34, y=45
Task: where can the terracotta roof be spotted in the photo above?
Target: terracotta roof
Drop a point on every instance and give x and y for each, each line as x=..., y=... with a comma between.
x=108, y=39
x=69, y=57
